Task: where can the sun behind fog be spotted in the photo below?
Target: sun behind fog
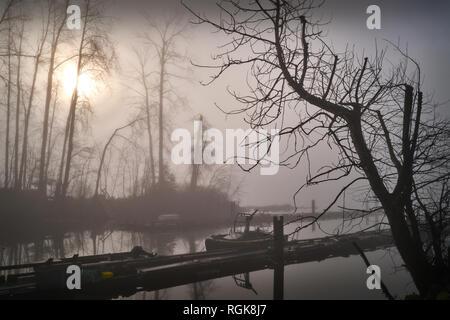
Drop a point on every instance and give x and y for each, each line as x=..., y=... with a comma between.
x=86, y=85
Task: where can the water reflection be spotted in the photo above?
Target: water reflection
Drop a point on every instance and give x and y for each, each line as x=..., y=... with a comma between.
x=332, y=278
x=243, y=280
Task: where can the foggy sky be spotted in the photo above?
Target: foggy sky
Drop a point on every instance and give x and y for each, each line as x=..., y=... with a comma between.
x=423, y=26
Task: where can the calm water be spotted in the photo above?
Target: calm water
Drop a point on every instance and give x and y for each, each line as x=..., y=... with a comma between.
x=336, y=278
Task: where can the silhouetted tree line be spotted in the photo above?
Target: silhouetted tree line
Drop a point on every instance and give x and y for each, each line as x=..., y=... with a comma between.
x=53, y=173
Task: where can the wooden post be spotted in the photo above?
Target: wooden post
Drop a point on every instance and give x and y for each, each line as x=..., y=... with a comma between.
x=278, y=238
x=278, y=274
x=313, y=213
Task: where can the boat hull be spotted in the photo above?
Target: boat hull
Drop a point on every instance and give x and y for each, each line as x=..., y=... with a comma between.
x=221, y=242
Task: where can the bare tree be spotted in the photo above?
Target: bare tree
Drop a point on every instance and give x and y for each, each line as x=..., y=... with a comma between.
x=374, y=117
x=4, y=15
x=51, y=139
x=163, y=39
x=8, y=103
x=18, y=101
x=94, y=53
x=58, y=23
x=37, y=63
x=143, y=75
x=105, y=148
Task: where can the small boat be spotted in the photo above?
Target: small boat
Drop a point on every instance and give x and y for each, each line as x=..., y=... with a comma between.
x=239, y=240
x=236, y=239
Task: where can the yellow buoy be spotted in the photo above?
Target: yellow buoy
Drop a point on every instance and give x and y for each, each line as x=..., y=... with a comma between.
x=107, y=275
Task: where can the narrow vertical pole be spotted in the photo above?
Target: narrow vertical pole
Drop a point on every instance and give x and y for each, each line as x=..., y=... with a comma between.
x=278, y=274
x=278, y=238
x=313, y=213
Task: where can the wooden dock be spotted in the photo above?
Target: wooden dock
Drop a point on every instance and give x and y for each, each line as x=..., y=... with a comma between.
x=136, y=271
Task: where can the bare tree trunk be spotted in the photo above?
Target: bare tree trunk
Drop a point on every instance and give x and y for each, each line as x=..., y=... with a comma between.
x=102, y=159
x=410, y=250
x=147, y=106
x=42, y=187
x=23, y=164
x=6, y=14
x=17, y=133
x=150, y=139
x=8, y=110
x=42, y=181
x=411, y=254
x=71, y=129
x=50, y=135
x=161, y=115
x=164, y=47
x=73, y=106
x=61, y=164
